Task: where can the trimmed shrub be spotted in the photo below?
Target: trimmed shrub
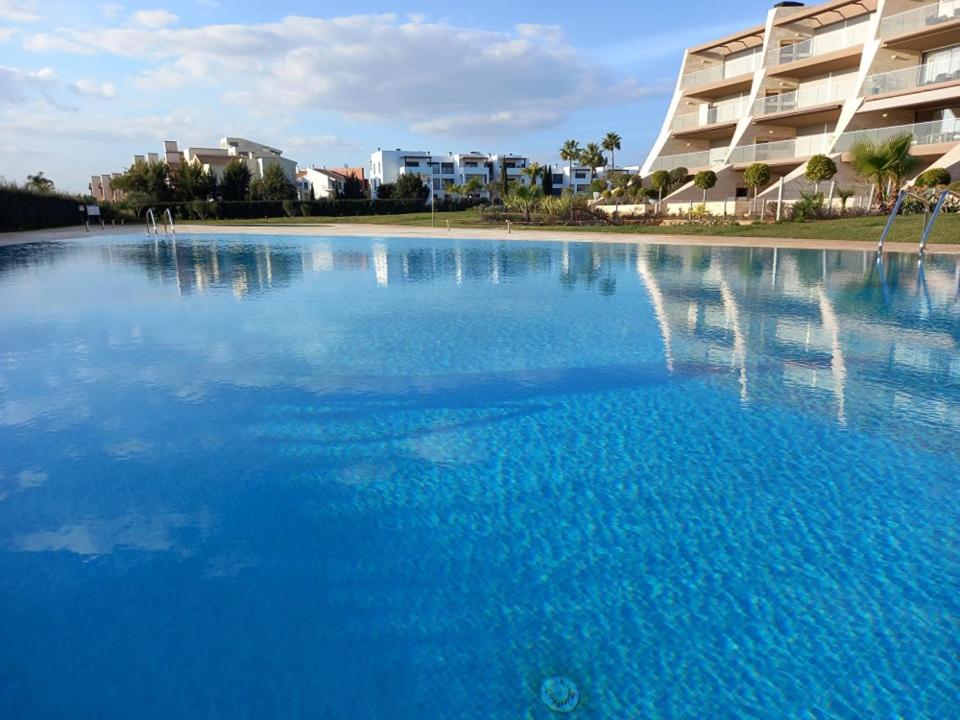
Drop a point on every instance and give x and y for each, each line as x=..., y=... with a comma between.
x=933, y=177
x=820, y=168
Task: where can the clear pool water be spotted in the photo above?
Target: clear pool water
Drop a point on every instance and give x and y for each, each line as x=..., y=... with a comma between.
x=253, y=477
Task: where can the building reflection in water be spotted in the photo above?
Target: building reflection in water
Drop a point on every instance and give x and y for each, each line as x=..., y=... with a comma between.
x=835, y=330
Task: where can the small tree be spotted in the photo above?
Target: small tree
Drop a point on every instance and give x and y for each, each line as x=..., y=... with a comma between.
x=933, y=177
x=411, y=186
x=235, y=181
x=353, y=188
x=546, y=181
x=660, y=181
x=705, y=180
x=755, y=177
x=386, y=191
x=845, y=194
x=820, y=168
x=524, y=198
x=884, y=163
x=274, y=185
x=678, y=176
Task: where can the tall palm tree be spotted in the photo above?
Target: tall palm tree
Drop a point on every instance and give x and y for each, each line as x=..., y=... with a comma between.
x=570, y=152
x=611, y=143
x=884, y=163
x=592, y=156
x=39, y=183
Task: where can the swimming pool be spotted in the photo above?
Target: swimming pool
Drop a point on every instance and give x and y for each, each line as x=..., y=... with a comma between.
x=250, y=477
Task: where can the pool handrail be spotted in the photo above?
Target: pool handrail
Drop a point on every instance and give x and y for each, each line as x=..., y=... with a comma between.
x=167, y=215
x=928, y=228
x=901, y=197
x=151, y=220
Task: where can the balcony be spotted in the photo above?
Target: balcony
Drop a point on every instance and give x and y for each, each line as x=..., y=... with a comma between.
x=928, y=17
x=911, y=78
x=936, y=132
x=719, y=73
x=832, y=42
x=789, y=150
x=806, y=96
x=694, y=160
x=721, y=113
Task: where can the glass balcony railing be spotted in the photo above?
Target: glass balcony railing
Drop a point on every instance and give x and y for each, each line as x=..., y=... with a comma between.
x=919, y=18
x=819, y=45
x=806, y=96
x=740, y=66
x=686, y=121
x=911, y=77
x=781, y=150
x=700, y=159
x=928, y=133
x=730, y=111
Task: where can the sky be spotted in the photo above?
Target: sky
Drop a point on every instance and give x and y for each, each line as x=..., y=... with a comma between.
x=86, y=85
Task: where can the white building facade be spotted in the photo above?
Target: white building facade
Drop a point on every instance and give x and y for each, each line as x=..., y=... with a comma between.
x=814, y=80
x=440, y=172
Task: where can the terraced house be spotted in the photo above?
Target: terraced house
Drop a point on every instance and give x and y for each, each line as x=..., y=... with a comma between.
x=810, y=80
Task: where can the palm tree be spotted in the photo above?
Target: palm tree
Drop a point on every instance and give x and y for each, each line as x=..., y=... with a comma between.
x=611, y=143
x=570, y=152
x=533, y=171
x=592, y=156
x=524, y=198
x=884, y=163
x=39, y=183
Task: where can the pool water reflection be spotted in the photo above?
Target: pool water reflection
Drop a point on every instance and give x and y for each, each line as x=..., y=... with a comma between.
x=401, y=478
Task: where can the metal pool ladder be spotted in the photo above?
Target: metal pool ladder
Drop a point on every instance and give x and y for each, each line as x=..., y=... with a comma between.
x=928, y=225
x=168, y=216
x=151, y=221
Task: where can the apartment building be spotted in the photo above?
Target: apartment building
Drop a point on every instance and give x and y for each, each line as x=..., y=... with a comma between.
x=256, y=156
x=440, y=172
x=814, y=80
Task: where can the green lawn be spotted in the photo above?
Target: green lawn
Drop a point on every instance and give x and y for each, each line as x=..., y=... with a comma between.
x=906, y=229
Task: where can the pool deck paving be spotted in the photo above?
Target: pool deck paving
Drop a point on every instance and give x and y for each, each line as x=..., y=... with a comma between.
x=496, y=234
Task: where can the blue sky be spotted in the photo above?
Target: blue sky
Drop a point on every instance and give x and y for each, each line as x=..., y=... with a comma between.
x=86, y=85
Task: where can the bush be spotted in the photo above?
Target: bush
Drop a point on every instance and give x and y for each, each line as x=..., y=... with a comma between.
x=809, y=207
x=306, y=209
x=933, y=177
x=290, y=208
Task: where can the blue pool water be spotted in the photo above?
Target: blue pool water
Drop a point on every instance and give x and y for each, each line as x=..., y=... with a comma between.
x=253, y=477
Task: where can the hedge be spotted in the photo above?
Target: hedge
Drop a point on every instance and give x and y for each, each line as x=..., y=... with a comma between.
x=25, y=210
x=248, y=210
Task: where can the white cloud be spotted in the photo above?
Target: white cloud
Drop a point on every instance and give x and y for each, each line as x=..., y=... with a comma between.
x=428, y=75
x=508, y=122
x=19, y=10
x=47, y=42
x=7, y=33
x=19, y=86
x=324, y=142
x=91, y=88
x=154, y=19
x=35, y=121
